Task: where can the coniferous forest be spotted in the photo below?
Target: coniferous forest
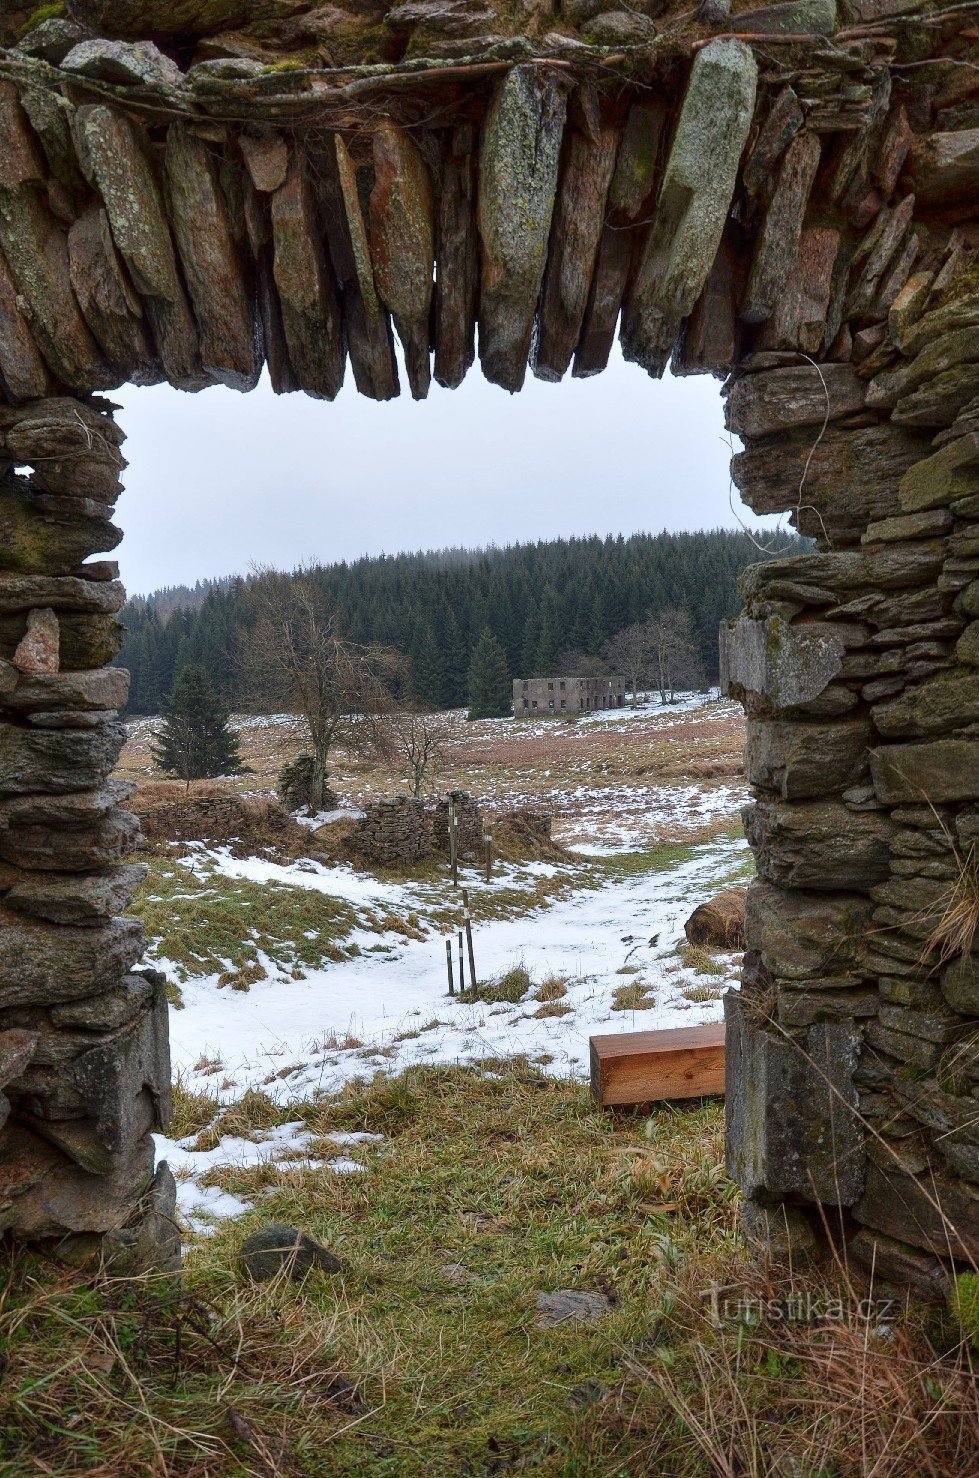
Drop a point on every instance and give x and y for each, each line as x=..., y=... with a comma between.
x=540, y=601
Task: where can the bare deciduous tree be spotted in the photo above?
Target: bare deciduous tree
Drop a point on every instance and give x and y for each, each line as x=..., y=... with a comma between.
x=574, y=663
x=674, y=652
x=298, y=660
x=631, y=652
x=416, y=739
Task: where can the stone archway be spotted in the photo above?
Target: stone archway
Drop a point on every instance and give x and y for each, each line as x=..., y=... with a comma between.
x=790, y=204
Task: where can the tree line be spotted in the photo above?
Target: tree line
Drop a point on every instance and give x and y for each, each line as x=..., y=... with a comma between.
x=546, y=607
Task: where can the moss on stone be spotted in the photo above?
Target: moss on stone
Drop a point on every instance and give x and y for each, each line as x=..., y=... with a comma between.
x=964, y=1301
x=43, y=13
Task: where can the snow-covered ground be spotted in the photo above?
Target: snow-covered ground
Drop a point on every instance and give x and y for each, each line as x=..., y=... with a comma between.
x=607, y=934
x=387, y=1010
x=282, y=1034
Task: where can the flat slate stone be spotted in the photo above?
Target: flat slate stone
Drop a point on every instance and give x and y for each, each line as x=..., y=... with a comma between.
x=570, y=1305
x=518, y=172
x=698, y=185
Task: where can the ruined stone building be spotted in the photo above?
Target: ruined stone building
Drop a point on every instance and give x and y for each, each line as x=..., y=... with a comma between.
x=533, y=695
x=786, y=198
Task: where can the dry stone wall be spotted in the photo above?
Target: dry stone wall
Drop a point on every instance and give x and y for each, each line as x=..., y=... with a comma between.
x=785, y=197
x=400, y=830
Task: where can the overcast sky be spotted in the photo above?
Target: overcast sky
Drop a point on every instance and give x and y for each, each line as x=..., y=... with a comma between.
x=219, y=481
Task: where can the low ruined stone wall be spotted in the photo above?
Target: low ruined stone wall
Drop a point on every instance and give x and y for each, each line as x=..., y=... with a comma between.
x=399, y=831
x=395, y=832
x=469, y=826
x=217, y=818
x=859, y=670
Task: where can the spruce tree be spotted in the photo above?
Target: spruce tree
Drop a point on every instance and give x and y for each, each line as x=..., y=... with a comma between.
x=490, y=688
x=195, y=741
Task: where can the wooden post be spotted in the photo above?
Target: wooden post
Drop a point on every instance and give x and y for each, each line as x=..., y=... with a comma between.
x=472, y=957
x=488, y=849
x=462, y=967
x=448, y=961
x=453, y=845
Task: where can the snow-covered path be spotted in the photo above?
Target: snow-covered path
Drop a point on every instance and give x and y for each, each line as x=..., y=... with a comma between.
x=389, y=1008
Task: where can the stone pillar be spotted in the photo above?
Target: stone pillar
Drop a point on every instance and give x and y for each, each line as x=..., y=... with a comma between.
x=853, y=1088
x=84, y=1061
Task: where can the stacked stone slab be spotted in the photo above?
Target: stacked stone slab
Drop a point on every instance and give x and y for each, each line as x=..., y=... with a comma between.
x=84, y=1061
x=798, y=213
x=852, y=1066
x=400, y=830
x=393, y=832
x=219, y=818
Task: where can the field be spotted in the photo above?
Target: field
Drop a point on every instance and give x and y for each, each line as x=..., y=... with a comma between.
x=295, y=975
x=528, y=1284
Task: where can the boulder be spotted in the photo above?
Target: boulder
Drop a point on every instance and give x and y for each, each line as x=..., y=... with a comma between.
x=960, y=985
x=44, y=1194
x=280, y=1250
x=945, y=166
x=779, y=400
x=578, y=219
x=53, y=39
x=790, y=18
x=35, y=248
x=110, y=1009
x=266, y=158
x=310, y=311
x=79, y=848
x=100, y=689
x=934, y=1211
x=949, y=474
x=851, y=477
x=618, y=28
x=773, y=664
x=457, y=279
x=944, y=703
x=16, y=1051
x=570, y=1306
x=778, y=239
x=719, y=923
x=212, y=266
x=88, y=899
x=54, y=763
x=370, y=340
x=21, y=365
x=117, y=157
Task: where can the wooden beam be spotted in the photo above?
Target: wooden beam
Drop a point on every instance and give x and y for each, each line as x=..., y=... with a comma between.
x=642, y=1067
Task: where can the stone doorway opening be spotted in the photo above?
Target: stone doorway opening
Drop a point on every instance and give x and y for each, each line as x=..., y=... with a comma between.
x=804, y=226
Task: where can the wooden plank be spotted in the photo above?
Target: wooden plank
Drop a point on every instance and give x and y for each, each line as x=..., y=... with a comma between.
x=641, y=1067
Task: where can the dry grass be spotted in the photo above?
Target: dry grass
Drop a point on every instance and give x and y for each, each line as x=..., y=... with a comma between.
x=554, y=988
x=636, y=996
x=955, y=932
x=426, y=1355
x=589, y=774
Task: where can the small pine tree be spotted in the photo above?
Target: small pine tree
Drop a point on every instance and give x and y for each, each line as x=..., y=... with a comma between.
x=195, y=741
x=490, y=688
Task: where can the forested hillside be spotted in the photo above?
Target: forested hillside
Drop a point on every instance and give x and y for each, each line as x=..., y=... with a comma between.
x=542, y=601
